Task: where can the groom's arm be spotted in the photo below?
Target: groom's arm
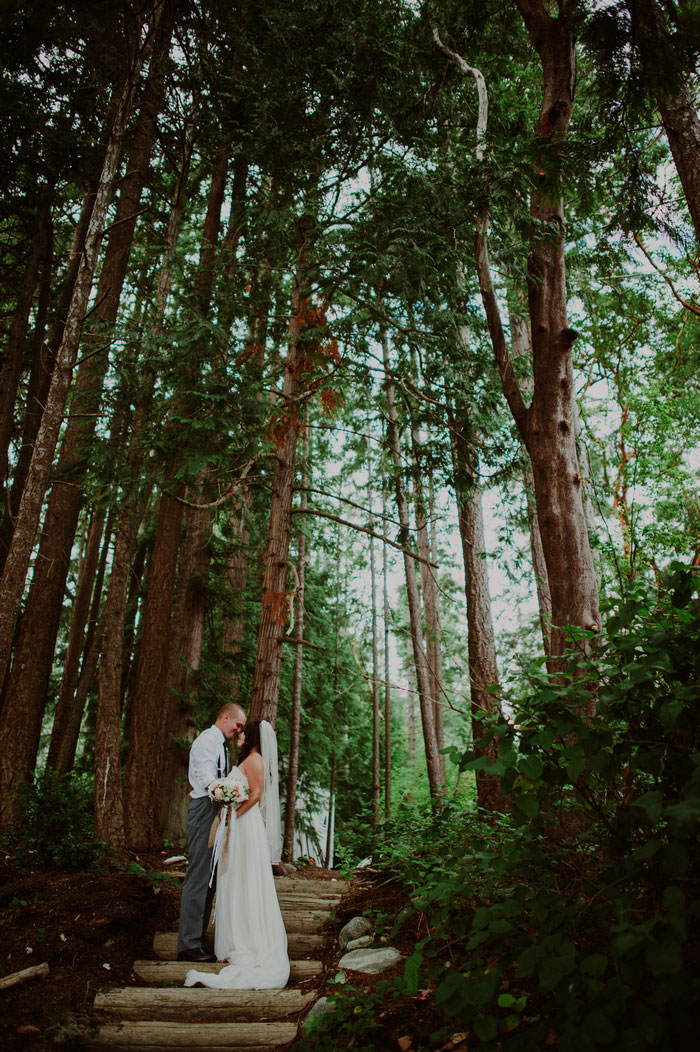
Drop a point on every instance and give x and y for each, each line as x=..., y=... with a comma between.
x=203, y=768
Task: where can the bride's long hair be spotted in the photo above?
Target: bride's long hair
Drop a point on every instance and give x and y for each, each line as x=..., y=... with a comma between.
x=252, y=740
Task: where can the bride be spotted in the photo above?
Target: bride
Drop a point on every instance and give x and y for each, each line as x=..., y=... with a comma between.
x=249, y=930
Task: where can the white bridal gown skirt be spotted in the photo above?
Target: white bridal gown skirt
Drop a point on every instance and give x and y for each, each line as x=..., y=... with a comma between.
x=248, y=927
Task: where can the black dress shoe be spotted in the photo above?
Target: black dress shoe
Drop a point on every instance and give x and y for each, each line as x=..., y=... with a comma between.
x=199, y=956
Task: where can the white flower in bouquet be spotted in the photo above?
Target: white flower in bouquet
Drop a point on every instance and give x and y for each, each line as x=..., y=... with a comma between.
x=230, y=790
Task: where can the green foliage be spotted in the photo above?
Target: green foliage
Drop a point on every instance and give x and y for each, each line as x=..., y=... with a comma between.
x=56, y=824
x=574, y=920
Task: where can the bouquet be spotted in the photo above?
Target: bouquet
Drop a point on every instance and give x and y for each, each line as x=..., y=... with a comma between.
x=233, y=789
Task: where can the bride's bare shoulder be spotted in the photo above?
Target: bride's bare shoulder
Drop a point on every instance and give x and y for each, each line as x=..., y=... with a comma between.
x=253, y=763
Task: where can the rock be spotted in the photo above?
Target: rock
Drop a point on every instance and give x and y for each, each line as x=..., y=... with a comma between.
x=361, y=943
x=321, y=1007
x=370, y=961
x=354, y=929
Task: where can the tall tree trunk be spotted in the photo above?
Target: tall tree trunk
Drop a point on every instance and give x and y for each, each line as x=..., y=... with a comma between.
x=295, y=717
x=651, y=38
x=274, y=606
x=376, y=736
x=108, y=802
x=387, y=629
x=481, y=643
x=42, y=371
x=11, y=360
x=23, y=709
x=431, y=609
x=151, y=696
x=187, y=633
x=66, y=723
x=432, y=754
x=520, y=335
x=549, y=426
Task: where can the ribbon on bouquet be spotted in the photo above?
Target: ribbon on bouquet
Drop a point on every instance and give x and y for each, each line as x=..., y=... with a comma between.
x=224, y=839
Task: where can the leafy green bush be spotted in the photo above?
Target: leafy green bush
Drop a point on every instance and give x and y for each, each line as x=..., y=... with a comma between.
x=56, y=824
x=573, y=922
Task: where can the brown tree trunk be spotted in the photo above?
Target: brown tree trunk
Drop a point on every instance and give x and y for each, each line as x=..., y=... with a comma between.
x=387, y=629
x=24, y=703
x=549, y=425
x=108, y=801
x=295, y=716
x=376, y=737
x=66, y=725
x=650, y=37
x=11, y=360
x=275, y=602
x=481, y=642
x=151, y=697
x=432, y=754
x=42, y=371
x=187, y=632
x=520, y=334
x=431, y=610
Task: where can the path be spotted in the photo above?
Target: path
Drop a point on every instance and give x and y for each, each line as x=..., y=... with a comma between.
x=162, y=1015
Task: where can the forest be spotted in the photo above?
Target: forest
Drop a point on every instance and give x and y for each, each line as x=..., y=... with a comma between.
x=350, y=371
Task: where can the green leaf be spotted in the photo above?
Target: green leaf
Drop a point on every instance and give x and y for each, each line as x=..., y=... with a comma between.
x=651, y=803
x=485, y=1027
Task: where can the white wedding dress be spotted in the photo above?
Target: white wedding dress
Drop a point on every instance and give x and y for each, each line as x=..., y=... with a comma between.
x=248, y=927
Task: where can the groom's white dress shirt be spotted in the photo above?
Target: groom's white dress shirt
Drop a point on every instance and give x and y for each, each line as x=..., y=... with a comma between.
x=207, y=760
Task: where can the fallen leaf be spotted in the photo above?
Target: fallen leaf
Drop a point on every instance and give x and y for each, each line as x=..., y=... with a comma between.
x=404, y=1042
x=27, y=1029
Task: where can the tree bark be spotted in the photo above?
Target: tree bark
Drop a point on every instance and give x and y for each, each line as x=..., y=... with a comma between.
x=376, y=736
x=650, y=37
x=387, y=629
x=11, y=360
x=108, y=800
x=23, y=708
x=66, y=725
x=275, y=602
x=295, y=716
x=41, y=373
x=481, y=642
x=549, y=425
x=431, y=609
x=432, y=754
x=151, y=697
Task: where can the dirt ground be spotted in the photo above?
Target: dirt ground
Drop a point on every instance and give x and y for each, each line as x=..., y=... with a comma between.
x=89, y=928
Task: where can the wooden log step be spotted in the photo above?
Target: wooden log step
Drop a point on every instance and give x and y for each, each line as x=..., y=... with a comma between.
x=297, y=904
x=302, y=921
x=215, y=1037
x=152, y=1002
x=298, y=945
x=160, y=972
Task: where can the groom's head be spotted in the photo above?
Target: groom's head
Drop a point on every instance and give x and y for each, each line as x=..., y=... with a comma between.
x=230, y=719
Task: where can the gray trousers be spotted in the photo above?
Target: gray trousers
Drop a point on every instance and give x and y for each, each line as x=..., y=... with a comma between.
x=197, y=896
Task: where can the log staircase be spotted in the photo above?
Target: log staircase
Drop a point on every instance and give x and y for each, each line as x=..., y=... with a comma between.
x=162, y=1015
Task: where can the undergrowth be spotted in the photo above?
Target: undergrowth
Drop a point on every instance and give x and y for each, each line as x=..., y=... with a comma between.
x=572, y=921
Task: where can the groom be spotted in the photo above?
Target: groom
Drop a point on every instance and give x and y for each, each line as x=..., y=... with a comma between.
x=208, y=761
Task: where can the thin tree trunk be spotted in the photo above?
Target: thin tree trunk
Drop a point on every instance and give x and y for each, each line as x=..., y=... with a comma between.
x=11, y=360
x=22, y=712
x=376, y=742
x=42, y=371
x=275, y=602
x=67, y=720
x=295, y=717
x=387, y=623
x=429, y=591
x=432, y=754
x=483, y=670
